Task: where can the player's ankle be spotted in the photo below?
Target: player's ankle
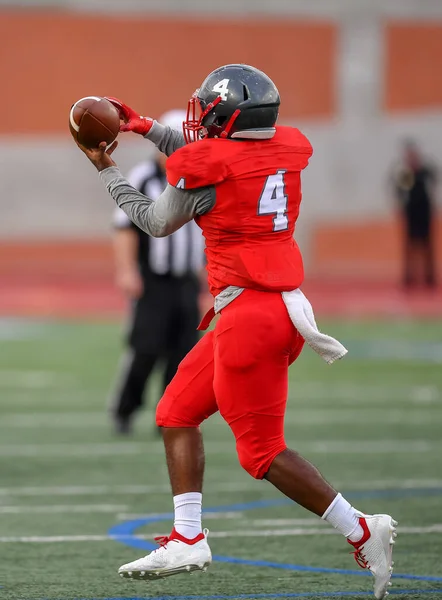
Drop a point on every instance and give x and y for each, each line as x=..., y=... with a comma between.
x=188, y=514
x=356, y=535
x=344, y=518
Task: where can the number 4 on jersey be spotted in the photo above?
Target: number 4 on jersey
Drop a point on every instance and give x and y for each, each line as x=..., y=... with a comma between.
x=274, y=201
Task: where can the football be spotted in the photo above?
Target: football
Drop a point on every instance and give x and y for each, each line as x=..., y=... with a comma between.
x=93, y=120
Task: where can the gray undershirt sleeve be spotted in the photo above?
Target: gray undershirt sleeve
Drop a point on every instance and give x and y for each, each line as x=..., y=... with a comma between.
x=166, y=139
x=161, y=217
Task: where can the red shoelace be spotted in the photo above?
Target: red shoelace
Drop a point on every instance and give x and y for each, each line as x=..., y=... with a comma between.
x=162, y=540
x=360, y=558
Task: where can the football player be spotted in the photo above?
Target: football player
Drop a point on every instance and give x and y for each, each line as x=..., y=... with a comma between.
x=238, y=175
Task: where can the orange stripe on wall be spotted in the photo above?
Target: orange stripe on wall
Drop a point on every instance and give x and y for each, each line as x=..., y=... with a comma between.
x=367, y=250
x=413, y=66
x=57, y=259
x=49, y=60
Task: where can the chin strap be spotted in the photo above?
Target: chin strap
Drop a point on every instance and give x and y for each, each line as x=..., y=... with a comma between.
x=230, y=123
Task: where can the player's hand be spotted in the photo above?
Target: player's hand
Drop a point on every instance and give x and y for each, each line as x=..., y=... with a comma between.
x=130, y=283
x=100, y=157
x=132, y=120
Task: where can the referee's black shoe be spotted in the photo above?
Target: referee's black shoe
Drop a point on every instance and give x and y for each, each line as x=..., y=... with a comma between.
x=123, y=425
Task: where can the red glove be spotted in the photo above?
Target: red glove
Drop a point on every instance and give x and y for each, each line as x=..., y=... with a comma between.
x=132, y=120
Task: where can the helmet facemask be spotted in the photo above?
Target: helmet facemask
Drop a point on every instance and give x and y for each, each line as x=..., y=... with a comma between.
x=193, y=127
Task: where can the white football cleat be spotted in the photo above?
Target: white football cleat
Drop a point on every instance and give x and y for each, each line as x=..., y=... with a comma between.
x=175, y=555
x=375, y=550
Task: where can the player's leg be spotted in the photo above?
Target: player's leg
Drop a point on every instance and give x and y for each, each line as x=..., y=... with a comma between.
x=254, y=343
x=187, y=401
x=250, y=382
x=280, y=473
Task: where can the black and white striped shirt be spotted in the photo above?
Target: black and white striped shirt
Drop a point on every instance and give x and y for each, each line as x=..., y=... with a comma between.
x=179, y=254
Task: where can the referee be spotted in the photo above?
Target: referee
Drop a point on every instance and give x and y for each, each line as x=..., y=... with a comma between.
x=160, y=277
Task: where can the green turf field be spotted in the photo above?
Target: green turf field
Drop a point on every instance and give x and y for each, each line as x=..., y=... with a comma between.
x=372, y=423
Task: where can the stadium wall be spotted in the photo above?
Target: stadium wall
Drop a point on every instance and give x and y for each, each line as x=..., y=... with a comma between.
x=353, y=81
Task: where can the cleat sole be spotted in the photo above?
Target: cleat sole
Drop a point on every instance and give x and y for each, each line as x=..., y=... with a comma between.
x=153, y=575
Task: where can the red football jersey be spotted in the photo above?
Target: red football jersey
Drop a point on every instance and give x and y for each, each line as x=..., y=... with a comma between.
x=249, y=232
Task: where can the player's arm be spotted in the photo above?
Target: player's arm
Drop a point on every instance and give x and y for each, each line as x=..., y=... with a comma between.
x=166, y=139
x=159, y=218
x=172, y=209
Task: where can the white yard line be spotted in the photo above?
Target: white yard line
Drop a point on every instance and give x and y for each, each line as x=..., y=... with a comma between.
x=62, y=509
x=298, y=531
x=35, y=379
x=368, y=446
x=92, y=450
x=284, y=522
x=386, y=484
x=207, y=516
x=300, y=416
x=109, y=490
x=79, y=490
x=354, y=392
x=54, y=539
x=356, y=415
x=348, y=394
x=247, y=485
x=56, y=420
x=436, y=528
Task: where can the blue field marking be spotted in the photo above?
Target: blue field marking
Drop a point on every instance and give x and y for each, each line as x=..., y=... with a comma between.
x=259, y=596
x=124, y=533
x=395, y=493
x=304, y=568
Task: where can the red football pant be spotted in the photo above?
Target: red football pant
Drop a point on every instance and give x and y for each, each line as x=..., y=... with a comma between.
x=240, y=369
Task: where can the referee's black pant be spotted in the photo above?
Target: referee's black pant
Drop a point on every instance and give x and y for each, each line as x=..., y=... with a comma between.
x=419, y=251
x=163, y=327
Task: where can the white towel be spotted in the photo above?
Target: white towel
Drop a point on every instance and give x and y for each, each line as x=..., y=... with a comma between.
x=302, y=317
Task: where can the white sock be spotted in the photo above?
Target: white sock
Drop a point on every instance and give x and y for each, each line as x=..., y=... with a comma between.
x=188, y=514
x=344, y=518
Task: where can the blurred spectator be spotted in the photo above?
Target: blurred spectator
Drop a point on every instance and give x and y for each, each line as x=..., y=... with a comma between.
x=414, y=181
x=160, y=277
